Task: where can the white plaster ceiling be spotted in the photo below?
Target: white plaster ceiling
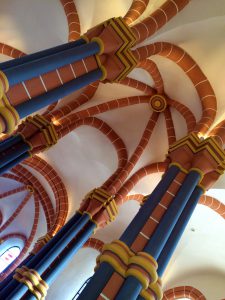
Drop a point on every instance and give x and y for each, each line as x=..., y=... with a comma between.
x=84, y=159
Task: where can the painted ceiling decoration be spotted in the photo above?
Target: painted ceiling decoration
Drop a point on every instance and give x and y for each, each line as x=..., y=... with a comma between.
x=35, y=114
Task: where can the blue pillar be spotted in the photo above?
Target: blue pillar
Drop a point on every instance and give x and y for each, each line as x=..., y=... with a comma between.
x=40, y=54
x=95, y=286
x=146, y=210
x=26, y=108
x=9, y=142
x=13, y=153
x=105, y=271
x=13, y=163
x=163, y=230
x=41, y=254
x=51, y=274
x=178, y=230
x=37, y=67
x=49, y=257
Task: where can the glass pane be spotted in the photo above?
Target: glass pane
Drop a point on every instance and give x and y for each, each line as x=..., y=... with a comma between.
x=8, y=257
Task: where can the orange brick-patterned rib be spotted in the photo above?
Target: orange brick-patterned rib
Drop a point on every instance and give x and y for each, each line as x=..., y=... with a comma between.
x=183, y=292
x=10, y=51
x=156, y=20
x=101, y=108
x=58, y=188
x=219, y=133
x=185, y=112
x=193, y=71
x=169, y=126
x=28, y=243
x=72, y=19
x=135, y=197
x=13, y=177
x=157, y=214
x=135, y=11
x=13, y=192
x=152, y=69
x=22, y=92
x=214, y=204
x=66, y=109
x=117, y=184
x=134, y=179
x=110, y=134
x=94, y=244
x=16, y=212
x=138, y=85
x=27, y=178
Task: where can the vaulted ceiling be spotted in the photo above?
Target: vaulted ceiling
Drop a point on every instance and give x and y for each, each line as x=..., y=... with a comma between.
x=85, y=158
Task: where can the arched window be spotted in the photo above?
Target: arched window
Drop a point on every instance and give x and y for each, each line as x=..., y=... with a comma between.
x=8, y=256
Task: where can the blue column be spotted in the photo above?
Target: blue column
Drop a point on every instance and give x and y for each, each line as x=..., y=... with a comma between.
x=13, y=153
x=40, y=54
x=49, y=257
x=9, y=142
x=178, y=230
x=31, y=69
x=51, y=274
x=26, y=108
x=146, y=210
x=163, y=230
x=130, y=289
x=13, y=163
x=95, y=286
x=105, y=271
x=41, y=254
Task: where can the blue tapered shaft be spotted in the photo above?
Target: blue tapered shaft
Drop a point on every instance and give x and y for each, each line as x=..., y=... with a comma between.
x=9, y=142
x=164, y=229
x=45, y=262
x=40, y=54
x=13, y=163
x=13, y=153
x=26, y=108
x=31, y=69
x=177, y=232
x=162, y=233
x=146, y=210
x=94, y=287
x=41, y=254
x=105, y=271
x=51, y=274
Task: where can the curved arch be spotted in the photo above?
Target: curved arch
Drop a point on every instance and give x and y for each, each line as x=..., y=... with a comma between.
x=185, y=112
x=158, y=19
x=214, y=204
x=122, y=176
x=58, y=188
x=16, y=212
x=134, y=179
x=195, y=74
x=110, y=134
x=72, y=19
x=183, y=292
x=151, y=68
x=169, y=126
x=10, y=51
x=138, y=85
x=135, y=10
x=29, y=241
x=24, y=176
x=94, y=244
x=103, y=107
x=218, y=132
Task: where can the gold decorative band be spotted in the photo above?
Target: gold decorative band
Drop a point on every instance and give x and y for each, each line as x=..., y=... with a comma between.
x=36, y=285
